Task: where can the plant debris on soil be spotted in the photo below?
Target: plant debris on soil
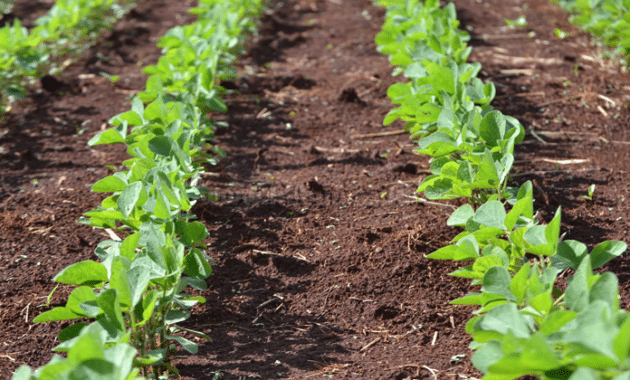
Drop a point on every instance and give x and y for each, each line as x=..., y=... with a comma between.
x=319, y=242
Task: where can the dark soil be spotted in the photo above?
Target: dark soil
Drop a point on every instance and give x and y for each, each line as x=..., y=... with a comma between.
x=319, y=244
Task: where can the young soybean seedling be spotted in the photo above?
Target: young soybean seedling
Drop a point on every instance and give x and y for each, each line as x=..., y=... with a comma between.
x=591, y=193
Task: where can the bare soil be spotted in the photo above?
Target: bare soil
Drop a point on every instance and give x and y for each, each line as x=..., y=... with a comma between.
x=318, y=241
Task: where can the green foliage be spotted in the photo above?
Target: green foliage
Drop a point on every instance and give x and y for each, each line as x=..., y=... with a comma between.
x=609, y=20
x=135, y=295
x=68, y=27
x=525, y=325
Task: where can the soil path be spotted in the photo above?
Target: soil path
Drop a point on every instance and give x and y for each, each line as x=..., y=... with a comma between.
x=319, y=245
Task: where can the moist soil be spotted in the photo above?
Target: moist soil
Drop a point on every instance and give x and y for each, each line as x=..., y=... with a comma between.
x=318, y=240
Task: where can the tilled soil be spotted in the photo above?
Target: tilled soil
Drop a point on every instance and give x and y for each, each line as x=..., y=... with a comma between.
x=319, y=244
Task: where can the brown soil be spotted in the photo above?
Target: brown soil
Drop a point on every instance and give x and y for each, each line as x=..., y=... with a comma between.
x=319, y=245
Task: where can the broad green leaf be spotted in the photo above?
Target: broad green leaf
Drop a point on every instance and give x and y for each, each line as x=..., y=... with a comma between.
x=129, y=246
x=542, y=302
x=128, y=198
x=497, y=281
x=606, y=289
x=596, y=331
x=122, y=355
x=71, y=331
x=465, y=172
x=552, y=231
x=80, y=297
x=535, y=236
x=503, y=319
x=484, y=263
x=621, y=343
x=120, y=282
x=460, y=216
x=584, y=373
x=576, y=297
x=138, y=278
x=185, y=343
x=86, y=272
x=57, y=314
x=607, y=251
x=87, y=346
x=557, y=320
x=467, y=272
x=485, y=234
x=24, y=372
x=451, y=252
x=518, y=282
x=109, y=184
x=487, y=355
x=570, y=254
x=536, y=356
x=176, y=316
x=191, y=233
x=196, y=266
x=516, y=212
x=492, y=128
x=148, y=304
x=110, y=136
x=109, y=303
x=491, y=214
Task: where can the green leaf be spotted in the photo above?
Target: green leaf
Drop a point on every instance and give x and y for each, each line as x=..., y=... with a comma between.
x=487, y=355
x=484, y=263
x=595, y=331
x=460, y=216
x=537, y=355
x=516, y=211
x=583, y=373
x=497, y=281
x=138, y=278
x=552, y=231
x=57, y=314
x=82, y=273
x=503, y=319
x=556, y=320
x=492, y=128
x=148, y=304
x=109, y=185
x=185, y=343
x=196, y=266
x=120, y=282
x=128, y=198
x=467, y=272
x=607, y=251
x=109, y=303
x=621, y=343
x=517, y=284
x=87, y=346
x=71, y=331
x=176, y=316
x=606, y=289
x=491, y=214
x=191, y=233
x=576, y=297
x=129, y=245
x=110, y=136
x=24, y=372
x=570, y=254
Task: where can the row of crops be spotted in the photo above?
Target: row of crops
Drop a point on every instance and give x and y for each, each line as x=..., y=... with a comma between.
x=525, y=324
x=136, y=294
x=67, y=29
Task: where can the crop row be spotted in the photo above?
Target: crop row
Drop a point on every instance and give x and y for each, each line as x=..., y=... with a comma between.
x=525, y=324
x=68, y=27
x=606, y=19
x=135, y=294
